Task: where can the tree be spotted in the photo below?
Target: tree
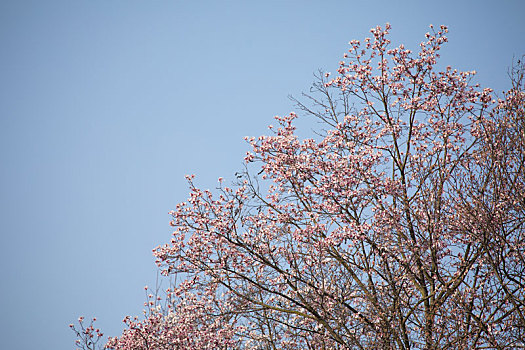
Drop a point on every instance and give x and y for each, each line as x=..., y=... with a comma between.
x=401, y=226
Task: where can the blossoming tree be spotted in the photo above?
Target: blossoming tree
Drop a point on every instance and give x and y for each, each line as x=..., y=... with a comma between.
x=401, y=226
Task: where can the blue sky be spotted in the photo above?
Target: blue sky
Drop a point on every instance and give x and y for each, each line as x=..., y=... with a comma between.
x=106, y=105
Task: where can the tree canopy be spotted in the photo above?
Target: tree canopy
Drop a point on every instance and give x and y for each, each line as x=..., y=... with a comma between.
x=400, y=226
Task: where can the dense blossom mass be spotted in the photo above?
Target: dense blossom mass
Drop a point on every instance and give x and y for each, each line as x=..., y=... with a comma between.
x=401, y=226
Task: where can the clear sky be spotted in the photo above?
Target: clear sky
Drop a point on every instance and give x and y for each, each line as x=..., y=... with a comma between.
x=106, y=105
